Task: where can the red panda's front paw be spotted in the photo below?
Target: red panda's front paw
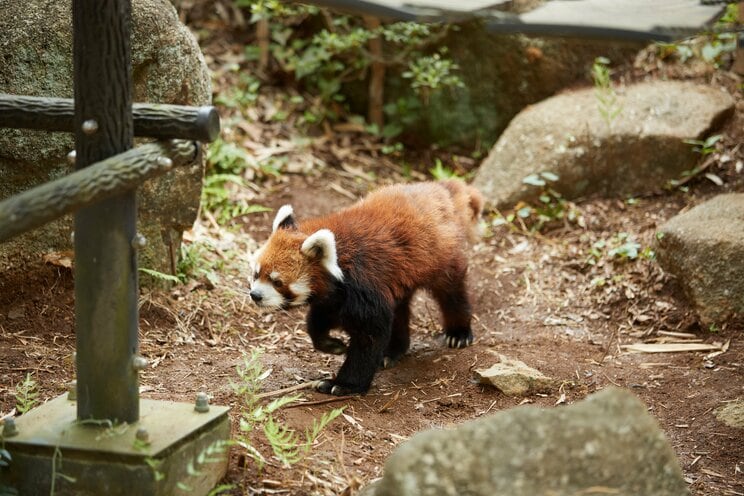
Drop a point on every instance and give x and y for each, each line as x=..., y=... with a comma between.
x=328, y=386
x=459, y=341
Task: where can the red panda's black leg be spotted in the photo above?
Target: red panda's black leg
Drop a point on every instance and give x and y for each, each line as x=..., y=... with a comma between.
x=400, y=339
x=319, y=324
x=369, y=335
x=455, y=305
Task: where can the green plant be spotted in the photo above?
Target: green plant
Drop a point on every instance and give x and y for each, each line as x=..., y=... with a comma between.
x=340, y=51
x=440, y=171
x=211, y=454
x=706, y=146
x=711, y=47
x=431, y=73
x=551, y=205
x=196, y=261
x=288, y=446
x=217, y=197
x=56, y=474
x=607, y=102
x=26, y=394
x=243, y=94
x=160, y=275
x=154, y=465
x=620, y=247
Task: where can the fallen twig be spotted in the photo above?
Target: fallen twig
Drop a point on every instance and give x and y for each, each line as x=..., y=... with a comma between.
x=322, y=402
x=290, y=389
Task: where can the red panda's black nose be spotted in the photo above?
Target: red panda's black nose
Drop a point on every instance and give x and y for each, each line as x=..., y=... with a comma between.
x=256, y=296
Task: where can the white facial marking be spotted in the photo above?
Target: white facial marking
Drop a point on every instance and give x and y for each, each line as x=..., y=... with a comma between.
x=301, y=289
x=284, y=212
x=274, y=276
x=323, y=243
x=270, y=297
x=254, y=264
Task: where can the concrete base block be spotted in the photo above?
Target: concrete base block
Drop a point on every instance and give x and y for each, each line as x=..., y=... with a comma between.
x=171, y=450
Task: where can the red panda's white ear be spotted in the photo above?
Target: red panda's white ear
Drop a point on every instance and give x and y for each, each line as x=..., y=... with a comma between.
x=321, y=245
x=284, y=219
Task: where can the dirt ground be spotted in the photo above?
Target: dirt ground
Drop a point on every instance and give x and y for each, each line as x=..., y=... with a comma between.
x=538, y=297
x=532, y=302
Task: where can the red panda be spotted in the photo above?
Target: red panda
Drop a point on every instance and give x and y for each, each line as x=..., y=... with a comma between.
x=358, y=268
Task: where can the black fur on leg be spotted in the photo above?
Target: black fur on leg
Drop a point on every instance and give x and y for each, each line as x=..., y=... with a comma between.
x=400, y=338
x=456, y=313
x=320, y=321
x=367, y=318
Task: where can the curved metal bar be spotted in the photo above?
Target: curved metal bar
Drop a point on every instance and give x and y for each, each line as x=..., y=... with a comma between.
x=101, y=180
x=152, y=120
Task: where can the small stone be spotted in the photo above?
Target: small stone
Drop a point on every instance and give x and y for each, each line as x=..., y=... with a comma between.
x=732, y=414
x=515, y=378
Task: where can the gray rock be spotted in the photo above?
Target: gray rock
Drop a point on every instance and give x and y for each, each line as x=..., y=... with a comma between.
x=502, y=75
x=515, y=378
x=636, y=152
x=167, y=67
x=608, y=442
x=732, y=414
x=704, y=249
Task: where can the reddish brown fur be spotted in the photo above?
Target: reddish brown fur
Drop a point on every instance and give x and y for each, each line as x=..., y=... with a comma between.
x=396, y=240
x=432, y=221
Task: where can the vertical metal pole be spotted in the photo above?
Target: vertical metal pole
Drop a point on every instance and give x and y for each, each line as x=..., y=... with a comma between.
x=105, y=262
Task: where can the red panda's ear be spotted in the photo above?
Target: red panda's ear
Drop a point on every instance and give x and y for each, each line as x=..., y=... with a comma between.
x=321, y=246
x=284, y=219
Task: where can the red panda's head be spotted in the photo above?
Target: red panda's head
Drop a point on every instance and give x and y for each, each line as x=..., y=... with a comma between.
x=292, y=265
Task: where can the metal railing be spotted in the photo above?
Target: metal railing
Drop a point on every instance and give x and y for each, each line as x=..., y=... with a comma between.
x=101, y=193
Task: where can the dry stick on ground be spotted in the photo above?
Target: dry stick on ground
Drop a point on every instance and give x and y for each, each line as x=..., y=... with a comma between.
x=322, y=402
x=290, y=389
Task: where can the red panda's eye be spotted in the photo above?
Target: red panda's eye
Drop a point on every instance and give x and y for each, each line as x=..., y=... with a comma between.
x=277, y=283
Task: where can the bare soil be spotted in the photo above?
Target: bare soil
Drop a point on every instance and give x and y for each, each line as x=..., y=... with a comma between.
x=533, y=301
x=538, y=297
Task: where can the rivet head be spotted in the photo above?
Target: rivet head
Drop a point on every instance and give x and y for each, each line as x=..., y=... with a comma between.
x=139, y=241
x=139, y=362
x=142, y=435
x=72, y=390
x=90, y=126
x=71, y=157
x=202, y=403
x=164, y=162
x=9, y=428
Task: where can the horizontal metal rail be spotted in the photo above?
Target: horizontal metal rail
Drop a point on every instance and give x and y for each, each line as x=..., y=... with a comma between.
x=101, y=180
x=151, y=120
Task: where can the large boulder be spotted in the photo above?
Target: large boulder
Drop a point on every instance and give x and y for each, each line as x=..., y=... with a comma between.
x=167, y=67
x=503, y=74
x=704, y=249
x=608, y=443
x=636, y=151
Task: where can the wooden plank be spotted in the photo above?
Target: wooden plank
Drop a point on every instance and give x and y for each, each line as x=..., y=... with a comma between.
x=670, y=347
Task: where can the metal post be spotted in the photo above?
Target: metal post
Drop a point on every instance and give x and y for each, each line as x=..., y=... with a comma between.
x=105, y=262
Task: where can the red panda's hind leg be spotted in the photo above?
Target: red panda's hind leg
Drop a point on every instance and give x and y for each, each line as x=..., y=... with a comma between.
x=456, y=313
x=400, y=339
